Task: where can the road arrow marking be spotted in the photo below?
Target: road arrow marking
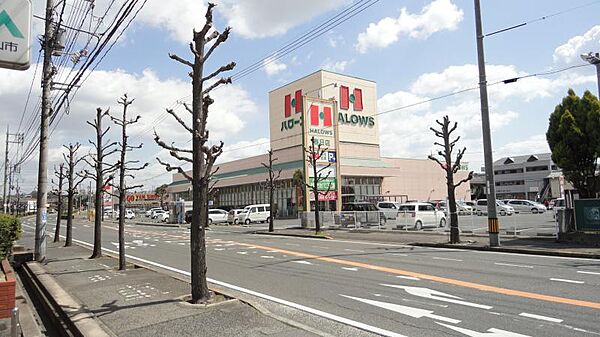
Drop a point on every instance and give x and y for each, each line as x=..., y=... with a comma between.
x=566, y=281
x=302, y=262
x=540, y=317
x=493, y=332
x=408, y=311
x=437, y=295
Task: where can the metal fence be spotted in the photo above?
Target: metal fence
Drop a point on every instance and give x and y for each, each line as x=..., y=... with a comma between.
x=522, y=224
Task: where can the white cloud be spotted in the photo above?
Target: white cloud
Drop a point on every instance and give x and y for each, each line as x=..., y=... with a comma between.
x=178, y=20
x=233, y=105
x=577, y=45
x=532, y=144
x=265, y=18
x=337, y=66
x=406, y=133
x=273, y=66
x=437, y=16
x=245, y=149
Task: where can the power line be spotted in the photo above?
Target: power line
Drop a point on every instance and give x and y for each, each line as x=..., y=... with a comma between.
x=541, y=18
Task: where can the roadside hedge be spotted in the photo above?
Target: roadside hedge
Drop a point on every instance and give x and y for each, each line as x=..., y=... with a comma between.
x=10, y=231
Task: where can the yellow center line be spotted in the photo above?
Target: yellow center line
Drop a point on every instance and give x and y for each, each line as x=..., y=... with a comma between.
x=466, y=284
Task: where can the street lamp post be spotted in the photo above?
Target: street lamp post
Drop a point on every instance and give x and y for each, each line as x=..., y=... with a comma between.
x=594, y=58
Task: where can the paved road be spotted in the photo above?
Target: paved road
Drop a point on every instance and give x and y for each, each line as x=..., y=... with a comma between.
x=388, y=289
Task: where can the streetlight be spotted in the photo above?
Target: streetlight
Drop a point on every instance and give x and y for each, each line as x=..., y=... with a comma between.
x=593, y=58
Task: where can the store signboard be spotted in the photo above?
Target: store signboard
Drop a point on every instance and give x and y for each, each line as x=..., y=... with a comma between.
x=320, y=130
x=15, y=34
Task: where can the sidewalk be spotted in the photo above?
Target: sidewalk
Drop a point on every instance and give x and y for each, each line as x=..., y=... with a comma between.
x=99, y=300
x=509, y=244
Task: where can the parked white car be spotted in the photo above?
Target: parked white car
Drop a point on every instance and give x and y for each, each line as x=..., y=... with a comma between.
x=156, y=213
x=163, y=216
x=525, y=206
x=463, y=208
x=255, y=213
x=232, y=216
x=128, y=214
x=149, y=212
x=389, y=209
x=502, y=209
x=419, y=215
x=216, y=215
x=559, y=205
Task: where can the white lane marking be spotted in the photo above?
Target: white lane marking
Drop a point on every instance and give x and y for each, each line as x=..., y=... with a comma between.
x=408, y=277
x=354, y=250
x=267, y=257
x=402, y=309
x=292, y=244
x=219, y=249
x=343, y=320
x=588, y=272
x=493, y=332
x=242, y=253
x=567, y=281
x=540, y=317
x=437, y=295
x=350, y=268
x=512, y=265
x=302, y=262
x=398, y=254
x=447, y=259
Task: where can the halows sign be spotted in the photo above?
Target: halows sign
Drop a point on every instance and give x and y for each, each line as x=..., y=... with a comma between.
x=349, y=104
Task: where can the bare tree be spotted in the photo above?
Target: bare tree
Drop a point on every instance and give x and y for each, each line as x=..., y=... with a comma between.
x=161, y=191
x=450, y=168
x=72, y=161
x=60, y=174
x=124, y=172
x=313, y=153
x=271, y=184
x=203, y=156
x=102, y=175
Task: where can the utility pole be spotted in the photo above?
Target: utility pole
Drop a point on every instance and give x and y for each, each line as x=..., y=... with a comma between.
x=42, y=193
x=18, y=139
x=493, y=224
x=5, y=170
x=594, y=59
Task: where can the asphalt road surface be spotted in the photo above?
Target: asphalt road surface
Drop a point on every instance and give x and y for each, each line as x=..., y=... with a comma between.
x=386, y=289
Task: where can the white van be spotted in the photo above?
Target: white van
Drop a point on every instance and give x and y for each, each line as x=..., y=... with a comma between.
x=255, y=213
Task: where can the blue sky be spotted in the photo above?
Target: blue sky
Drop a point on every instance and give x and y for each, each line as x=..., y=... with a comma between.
x=414, y=50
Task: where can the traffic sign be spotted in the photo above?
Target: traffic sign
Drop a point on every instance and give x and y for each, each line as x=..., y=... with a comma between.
x=15, y=34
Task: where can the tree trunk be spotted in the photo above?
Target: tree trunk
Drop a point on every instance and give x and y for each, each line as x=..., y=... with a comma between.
x=271, y=200
x=60, y=184
x=70, y=192
x=57, y=229
x=316, y=191
x=200, y=293
x=97, y=250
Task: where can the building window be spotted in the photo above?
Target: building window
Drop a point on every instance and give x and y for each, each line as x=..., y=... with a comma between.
x=536, y=168
x=510, y=171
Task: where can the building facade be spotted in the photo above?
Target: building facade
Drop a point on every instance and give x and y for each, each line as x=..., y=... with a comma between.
x=525, y=177
x=340, y=113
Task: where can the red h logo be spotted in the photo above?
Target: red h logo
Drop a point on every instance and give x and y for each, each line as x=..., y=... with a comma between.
x=290, y=103
x=346, y=98
x=316, y=116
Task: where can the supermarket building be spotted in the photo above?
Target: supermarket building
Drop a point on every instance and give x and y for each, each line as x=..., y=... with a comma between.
x=340, y=113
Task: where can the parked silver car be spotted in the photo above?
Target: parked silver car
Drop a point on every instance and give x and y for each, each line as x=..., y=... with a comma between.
x=502, y=209
x=525, y=206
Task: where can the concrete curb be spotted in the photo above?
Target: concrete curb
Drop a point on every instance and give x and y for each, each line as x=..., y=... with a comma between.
x=509, y=250
x=324, y=237
x=79, y=317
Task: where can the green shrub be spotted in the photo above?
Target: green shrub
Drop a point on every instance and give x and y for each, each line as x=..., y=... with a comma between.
x=10, y=231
